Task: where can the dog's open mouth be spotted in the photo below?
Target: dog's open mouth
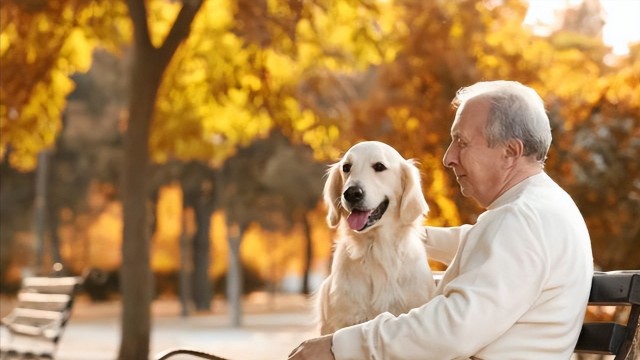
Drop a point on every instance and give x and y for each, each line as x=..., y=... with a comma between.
x=361, y=219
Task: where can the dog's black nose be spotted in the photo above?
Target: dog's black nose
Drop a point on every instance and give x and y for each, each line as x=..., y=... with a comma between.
x=354, y=194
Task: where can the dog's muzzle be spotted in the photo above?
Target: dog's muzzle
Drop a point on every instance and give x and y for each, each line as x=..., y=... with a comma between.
x=353, y=195
x=360, y=219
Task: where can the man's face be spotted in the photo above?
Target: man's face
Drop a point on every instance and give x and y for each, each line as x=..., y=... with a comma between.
x=479, y=169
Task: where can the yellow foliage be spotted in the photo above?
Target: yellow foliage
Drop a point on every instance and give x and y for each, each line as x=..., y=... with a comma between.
x=238, y=97
x=105, y=239
x=412, y=124
x=40, y=115
x=272, y=255
x=457, y=30
x=251, y=82
x=222, y=88
x=281, y=67
x=217, y=13
x=322, y=139
x=39, y=51
x=306, y=120
x=77, y=51
x=169, y=227
x=161, y=16
x=623, y=86
x=5, y=40
x=439, y=193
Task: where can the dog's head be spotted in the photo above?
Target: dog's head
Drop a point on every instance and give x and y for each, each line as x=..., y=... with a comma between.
x=370, y=181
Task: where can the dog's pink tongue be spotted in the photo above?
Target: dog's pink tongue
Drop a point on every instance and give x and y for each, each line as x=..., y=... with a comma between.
x=358, y=219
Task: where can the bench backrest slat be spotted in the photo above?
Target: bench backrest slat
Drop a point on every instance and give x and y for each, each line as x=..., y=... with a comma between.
x=37, y=315
x=601, y=338
x=38, y=301
x=49, y=285
x=617, y=288
x=44, y=307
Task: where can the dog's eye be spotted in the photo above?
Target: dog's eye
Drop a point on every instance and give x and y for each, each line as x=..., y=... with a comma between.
x=378, y=167
x=346, y=168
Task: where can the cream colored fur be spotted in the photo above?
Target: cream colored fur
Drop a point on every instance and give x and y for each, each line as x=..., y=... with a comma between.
x=382, y=268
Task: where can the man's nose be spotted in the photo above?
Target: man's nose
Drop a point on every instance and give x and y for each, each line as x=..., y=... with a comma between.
x=449, y=159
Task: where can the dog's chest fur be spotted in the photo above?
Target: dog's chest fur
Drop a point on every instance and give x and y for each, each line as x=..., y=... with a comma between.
x=384, y=273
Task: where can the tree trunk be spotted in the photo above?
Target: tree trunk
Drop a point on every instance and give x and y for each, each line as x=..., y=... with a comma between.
x=54, y=239
x=186, y=267
x=308, y=256
x=40, y=211
x=201, y=255
x=136, y=279
x=234, y=274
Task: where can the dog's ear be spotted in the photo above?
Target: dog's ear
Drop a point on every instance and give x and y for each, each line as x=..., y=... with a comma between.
x=412, y=203
x=332, y=193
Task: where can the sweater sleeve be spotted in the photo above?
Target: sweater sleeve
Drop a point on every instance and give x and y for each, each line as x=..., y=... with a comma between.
x=442, y=243
x=501, y=270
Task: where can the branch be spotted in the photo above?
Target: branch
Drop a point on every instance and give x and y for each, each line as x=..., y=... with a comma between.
x=138, y=14
x=180, y=29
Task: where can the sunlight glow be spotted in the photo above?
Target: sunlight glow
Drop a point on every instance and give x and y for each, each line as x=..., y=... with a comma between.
x=621, y=20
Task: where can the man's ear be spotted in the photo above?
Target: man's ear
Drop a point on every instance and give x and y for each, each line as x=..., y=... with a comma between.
x=332, y=193
x=514, y=149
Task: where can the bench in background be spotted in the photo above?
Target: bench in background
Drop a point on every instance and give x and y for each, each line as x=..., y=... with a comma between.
x=36, y=324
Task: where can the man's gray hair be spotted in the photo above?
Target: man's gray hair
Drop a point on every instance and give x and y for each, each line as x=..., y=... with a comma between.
x=517, y=112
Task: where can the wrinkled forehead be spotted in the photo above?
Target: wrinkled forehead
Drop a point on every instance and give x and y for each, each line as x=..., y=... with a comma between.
x=471, y=116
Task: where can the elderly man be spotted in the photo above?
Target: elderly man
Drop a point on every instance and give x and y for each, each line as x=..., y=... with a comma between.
x=518, y=280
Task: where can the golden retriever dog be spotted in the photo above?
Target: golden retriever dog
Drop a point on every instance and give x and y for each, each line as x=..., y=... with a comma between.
x=375, y=200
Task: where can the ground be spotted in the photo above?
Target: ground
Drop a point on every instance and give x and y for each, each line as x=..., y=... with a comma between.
x=272, y=326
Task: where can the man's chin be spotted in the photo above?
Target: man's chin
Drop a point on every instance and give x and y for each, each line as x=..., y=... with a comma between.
x=466, y=193
x=469, y=195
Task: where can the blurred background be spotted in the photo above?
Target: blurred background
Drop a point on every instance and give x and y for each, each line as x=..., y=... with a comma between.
x=176, y=149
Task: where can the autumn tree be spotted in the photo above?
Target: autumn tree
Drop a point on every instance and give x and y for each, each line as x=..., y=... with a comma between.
x=57, y=50
x=271, y=183
x=214, y=102
x=360, y=70
x=594, y=111
x=148, y=66
x=16, y=197
x=592, y=105
x=43, y=43
x=247, y=56
x=199, y=188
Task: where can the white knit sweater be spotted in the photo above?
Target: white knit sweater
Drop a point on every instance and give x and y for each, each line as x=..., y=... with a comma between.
x=516, y=287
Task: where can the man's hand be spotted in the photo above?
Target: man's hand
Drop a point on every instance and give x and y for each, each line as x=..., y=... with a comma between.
x=314, y=349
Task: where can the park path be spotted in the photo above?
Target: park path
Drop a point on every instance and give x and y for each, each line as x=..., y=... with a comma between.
x=272, y=327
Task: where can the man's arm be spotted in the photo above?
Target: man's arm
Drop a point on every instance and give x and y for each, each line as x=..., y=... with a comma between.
x=442, y=243
x=498, y=274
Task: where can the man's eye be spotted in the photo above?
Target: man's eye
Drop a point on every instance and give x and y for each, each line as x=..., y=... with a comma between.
x=346, y=168
x=378, y=167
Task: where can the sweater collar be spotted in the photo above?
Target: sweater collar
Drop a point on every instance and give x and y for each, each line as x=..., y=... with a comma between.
x=515, y=191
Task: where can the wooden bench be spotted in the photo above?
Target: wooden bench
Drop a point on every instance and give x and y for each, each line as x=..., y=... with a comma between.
x=615, y=288
x=36, y=324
